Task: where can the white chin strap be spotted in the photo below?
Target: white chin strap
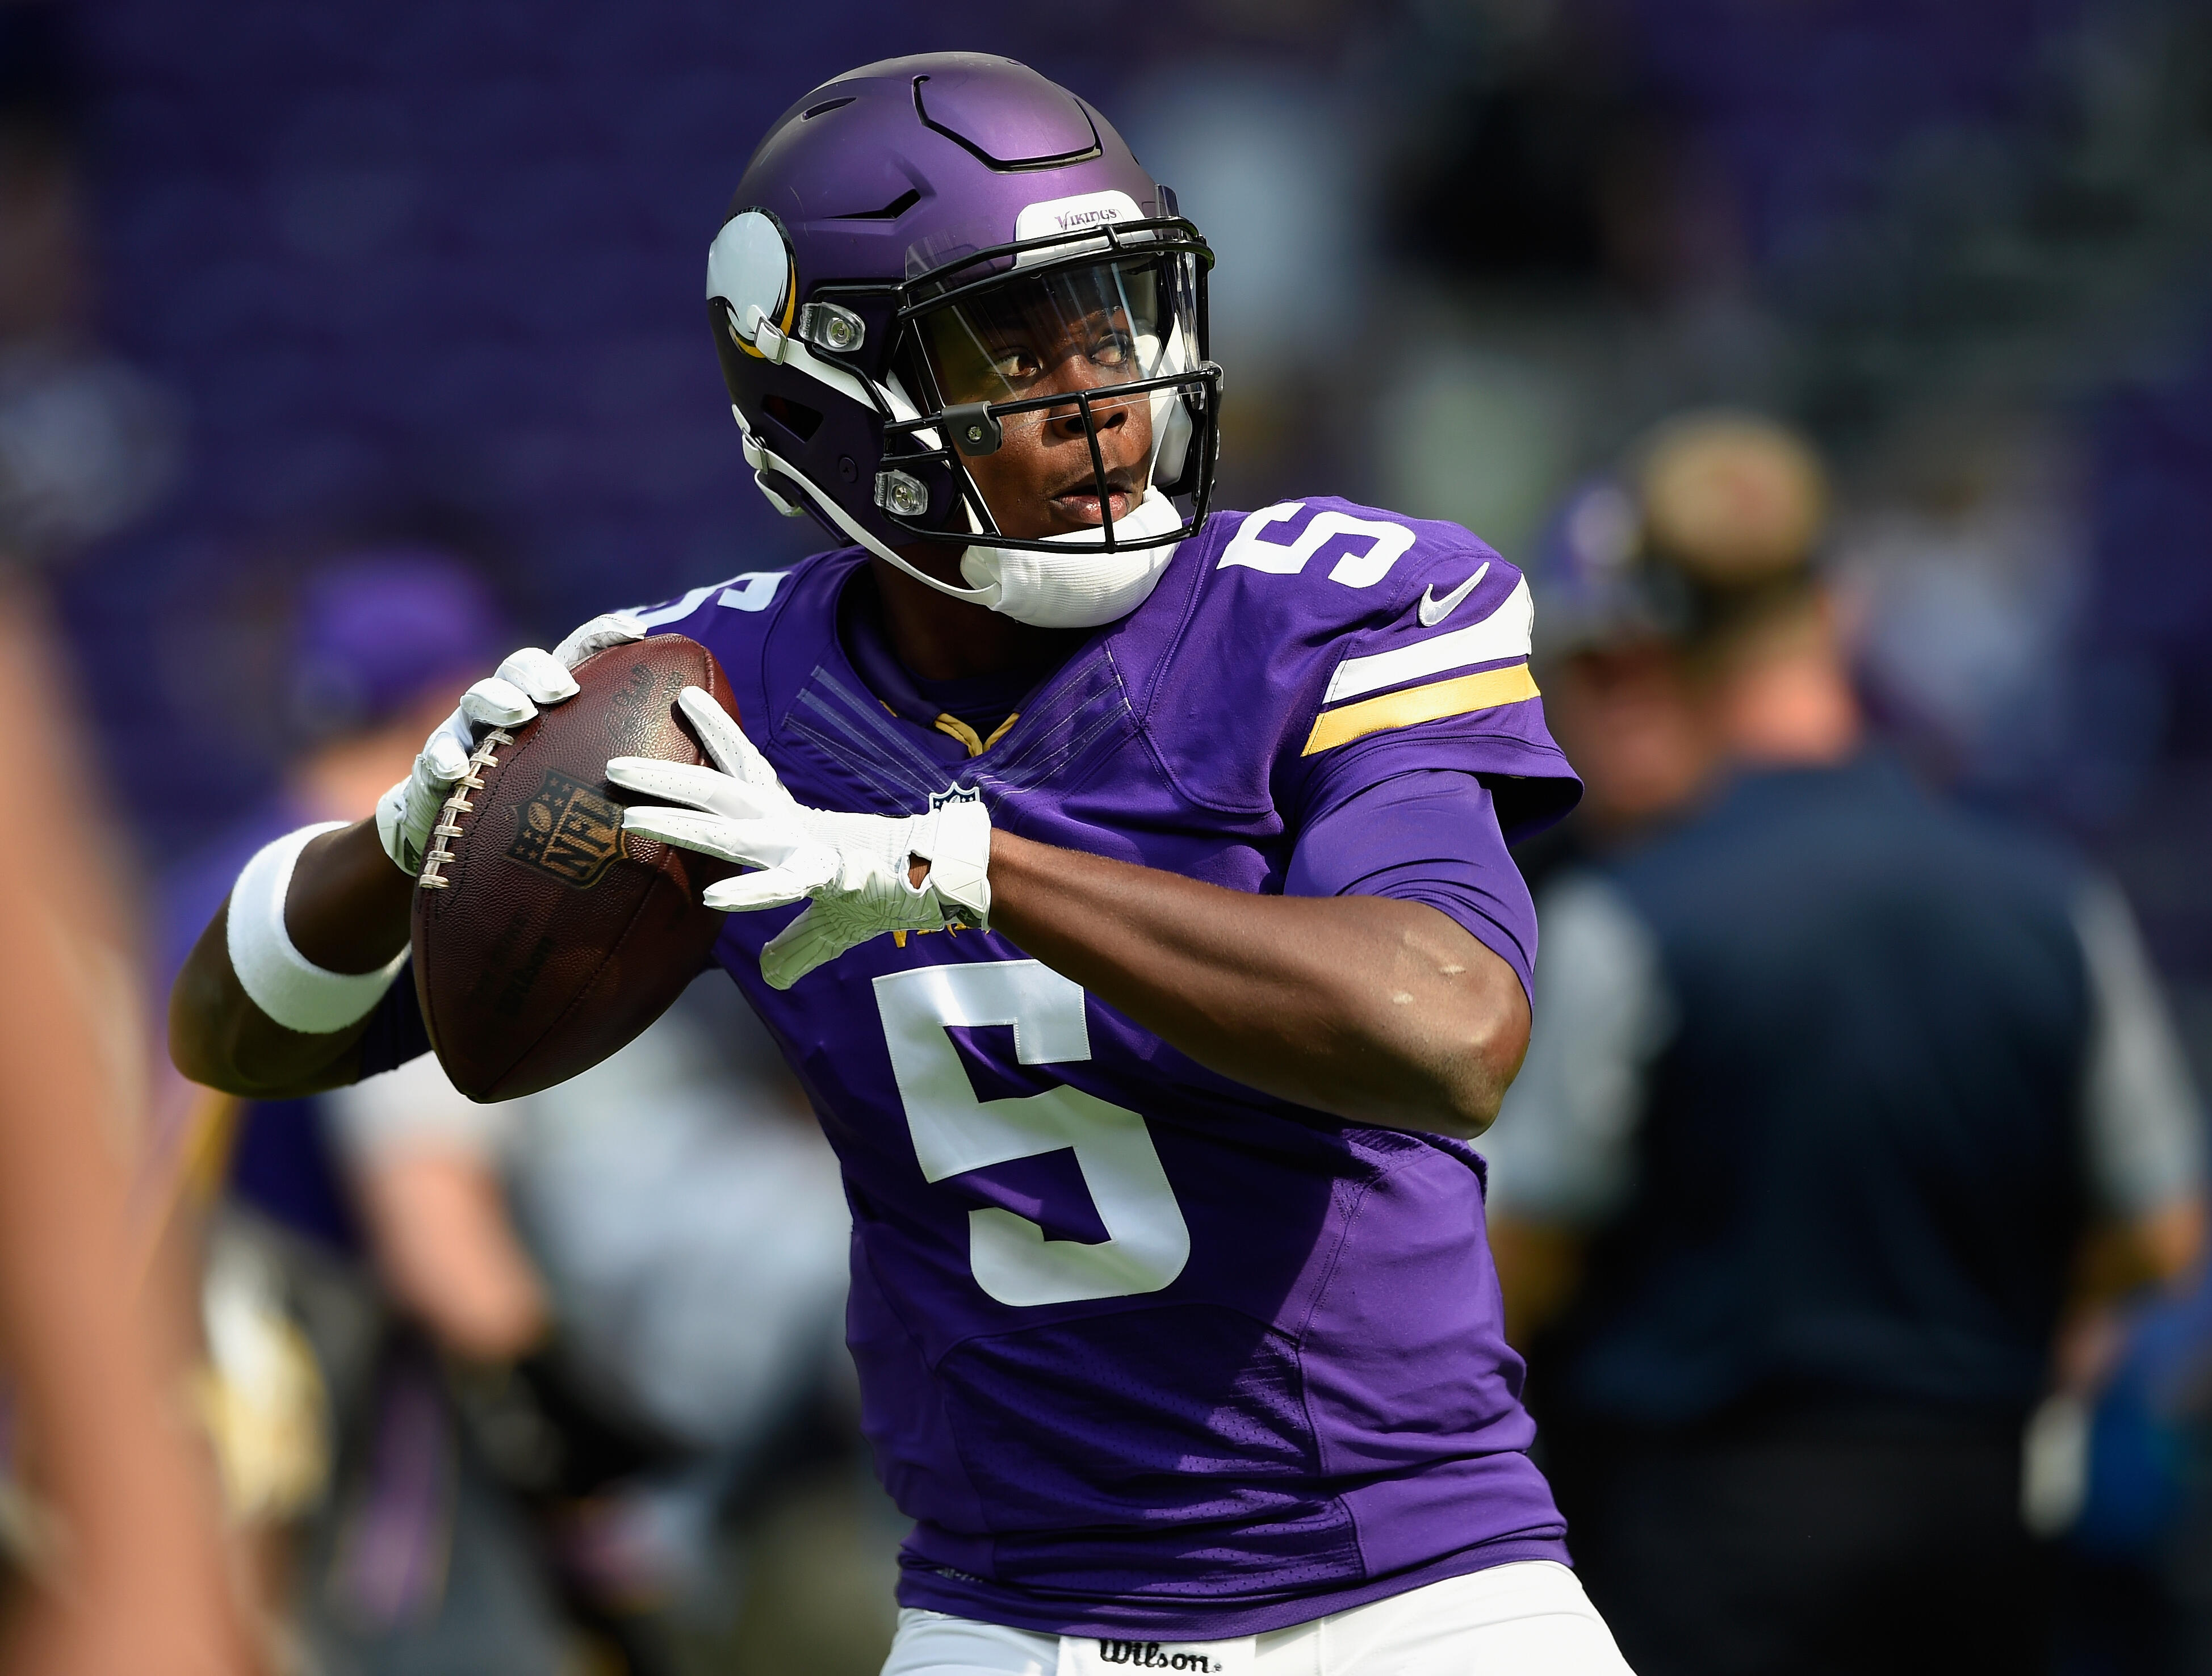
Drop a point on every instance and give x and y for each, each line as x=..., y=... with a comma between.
x=1076, y=585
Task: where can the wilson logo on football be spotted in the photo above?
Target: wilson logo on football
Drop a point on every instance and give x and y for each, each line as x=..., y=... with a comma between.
x=568, y=830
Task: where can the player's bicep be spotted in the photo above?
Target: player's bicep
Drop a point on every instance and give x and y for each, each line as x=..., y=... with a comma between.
x=1440, y=683
x=1429, y=836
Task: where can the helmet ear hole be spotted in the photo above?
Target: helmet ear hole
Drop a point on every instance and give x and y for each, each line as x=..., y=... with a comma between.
x=799, y=419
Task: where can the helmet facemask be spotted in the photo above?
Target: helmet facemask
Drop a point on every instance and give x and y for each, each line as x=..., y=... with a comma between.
x=1039, y=402
x=1062, y=393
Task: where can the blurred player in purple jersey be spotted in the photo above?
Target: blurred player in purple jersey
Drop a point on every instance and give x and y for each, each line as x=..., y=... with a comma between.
x=1130, y=893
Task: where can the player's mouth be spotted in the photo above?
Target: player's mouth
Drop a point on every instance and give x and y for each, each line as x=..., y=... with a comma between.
x=1079, y=504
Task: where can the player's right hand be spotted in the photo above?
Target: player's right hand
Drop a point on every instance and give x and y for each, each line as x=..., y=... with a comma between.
x=853, y=871
x=509, y=696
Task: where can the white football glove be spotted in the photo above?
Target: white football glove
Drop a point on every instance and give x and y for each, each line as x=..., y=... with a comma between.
x=855, y=869
x=507, y=698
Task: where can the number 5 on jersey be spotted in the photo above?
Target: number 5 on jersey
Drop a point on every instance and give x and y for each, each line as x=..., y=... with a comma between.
x=1148, y=1241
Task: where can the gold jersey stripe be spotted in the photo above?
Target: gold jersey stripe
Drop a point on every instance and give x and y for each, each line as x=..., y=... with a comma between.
x=1483, y=691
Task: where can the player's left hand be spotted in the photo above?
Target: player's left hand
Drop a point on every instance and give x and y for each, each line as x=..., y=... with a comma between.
x=855, y=871
x=407, y=815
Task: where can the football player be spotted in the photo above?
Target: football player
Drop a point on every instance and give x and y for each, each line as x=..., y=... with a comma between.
x=1156, y=950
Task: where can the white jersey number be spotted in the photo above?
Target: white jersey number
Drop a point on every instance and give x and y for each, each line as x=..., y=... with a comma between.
x=1254, y=549
x=1148, y=1241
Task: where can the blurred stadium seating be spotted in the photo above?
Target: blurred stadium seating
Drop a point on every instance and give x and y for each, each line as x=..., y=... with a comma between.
x=417, y=272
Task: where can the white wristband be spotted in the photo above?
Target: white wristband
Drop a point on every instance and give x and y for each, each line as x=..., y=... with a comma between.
x=281, y=981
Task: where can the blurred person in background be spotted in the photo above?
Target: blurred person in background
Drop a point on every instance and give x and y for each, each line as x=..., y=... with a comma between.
x=692, y=1236
x=1831, y=1083
x=326, y=1275
x=431, y=1412
x=616, y=1300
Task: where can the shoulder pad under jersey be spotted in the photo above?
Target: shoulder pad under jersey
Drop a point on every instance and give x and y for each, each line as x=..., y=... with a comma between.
x=733, y=618
x=1316, y=627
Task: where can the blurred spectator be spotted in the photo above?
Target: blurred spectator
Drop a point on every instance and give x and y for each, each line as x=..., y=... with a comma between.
x=1828, y=1085
x=300, y=1347
x=491, y=1374
x=633, y=1285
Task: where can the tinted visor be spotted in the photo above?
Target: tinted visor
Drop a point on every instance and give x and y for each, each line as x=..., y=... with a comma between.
x=1076, y=328
x=1083, y=328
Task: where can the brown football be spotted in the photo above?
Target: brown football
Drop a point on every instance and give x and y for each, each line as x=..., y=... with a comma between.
x=544, y=938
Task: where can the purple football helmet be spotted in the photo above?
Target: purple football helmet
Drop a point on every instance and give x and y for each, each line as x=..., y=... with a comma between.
x=914, y=245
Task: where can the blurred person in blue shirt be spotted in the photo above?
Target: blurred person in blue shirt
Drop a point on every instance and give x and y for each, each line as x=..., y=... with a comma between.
x=1833, y=1083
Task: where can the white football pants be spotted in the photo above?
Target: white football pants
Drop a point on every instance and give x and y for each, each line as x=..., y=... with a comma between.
x=1530, y=1618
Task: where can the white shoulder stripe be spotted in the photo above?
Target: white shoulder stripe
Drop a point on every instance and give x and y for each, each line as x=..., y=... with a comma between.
x=1504, y=633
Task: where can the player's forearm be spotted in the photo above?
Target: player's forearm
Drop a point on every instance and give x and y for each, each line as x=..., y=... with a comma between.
x=346, y=910
x=1377, y=1010
x=349, y=905
x=438, y=1226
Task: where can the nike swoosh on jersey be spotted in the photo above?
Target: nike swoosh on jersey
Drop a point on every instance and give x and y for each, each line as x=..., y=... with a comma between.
x=1504, y=633
x=1435, y=611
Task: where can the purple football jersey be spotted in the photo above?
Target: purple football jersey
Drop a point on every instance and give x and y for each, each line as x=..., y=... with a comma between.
x=1144, y=1351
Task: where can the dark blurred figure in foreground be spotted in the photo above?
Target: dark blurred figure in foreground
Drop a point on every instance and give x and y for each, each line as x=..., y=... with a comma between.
x=1831, y=1083
x=129, y=1578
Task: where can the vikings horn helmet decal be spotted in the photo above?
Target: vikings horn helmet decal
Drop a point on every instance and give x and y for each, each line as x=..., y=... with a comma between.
x=896, y=227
